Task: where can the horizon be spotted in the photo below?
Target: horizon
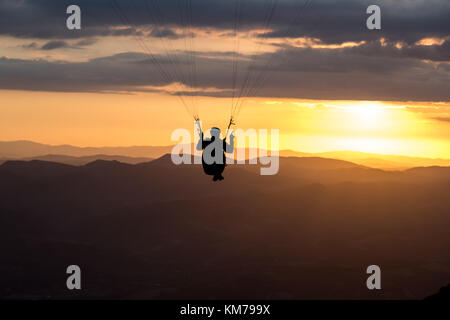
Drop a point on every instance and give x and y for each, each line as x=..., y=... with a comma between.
x=247, y=148
x=374, y=128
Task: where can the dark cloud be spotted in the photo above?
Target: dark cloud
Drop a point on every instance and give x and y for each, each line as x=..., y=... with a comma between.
x=342, y=21
x=56, y=44
x=294, y=73
x=164, y=33
x=86, y=42
x=389, y=49
x=329, y=20
x=398, y=69
x=60, y=44
x=46, y=19
x=32, y=45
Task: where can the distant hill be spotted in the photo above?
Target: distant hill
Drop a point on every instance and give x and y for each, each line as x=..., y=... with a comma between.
x=374, y=160
x=28, y=149
x=443, y=295
x=78, y=161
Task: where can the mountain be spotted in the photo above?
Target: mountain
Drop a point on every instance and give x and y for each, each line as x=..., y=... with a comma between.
x=374, y=160
x=443, y=295
x=28, y=149
x=160, y=231
x=79, y=161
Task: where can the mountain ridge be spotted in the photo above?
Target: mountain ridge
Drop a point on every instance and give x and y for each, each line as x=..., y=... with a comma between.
x=24, y=149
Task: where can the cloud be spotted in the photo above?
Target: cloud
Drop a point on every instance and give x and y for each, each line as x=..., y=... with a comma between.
x=443, y=119
x=331, y=21
x=438, y=52
x=86, y=42
x=56, y=44
x=60, y=44
x=342, y=21
x=164, y=33
x=32, y=45
x=294, y=73
x=398, y=68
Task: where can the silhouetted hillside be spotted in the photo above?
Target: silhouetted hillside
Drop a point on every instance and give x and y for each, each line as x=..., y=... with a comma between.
x=156, y=230
x=442, y=296
x=79, y=161
x=28, y=150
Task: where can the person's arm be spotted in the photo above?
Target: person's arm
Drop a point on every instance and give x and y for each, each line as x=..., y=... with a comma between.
x=229, y=147
x=200, y=132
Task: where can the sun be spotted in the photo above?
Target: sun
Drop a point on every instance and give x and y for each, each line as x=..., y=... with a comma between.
x=366, y=116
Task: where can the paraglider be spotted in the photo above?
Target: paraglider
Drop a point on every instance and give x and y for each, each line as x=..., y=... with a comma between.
x=172, y=23
x=213, y=156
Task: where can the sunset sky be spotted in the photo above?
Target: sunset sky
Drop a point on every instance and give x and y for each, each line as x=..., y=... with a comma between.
x=330, y=83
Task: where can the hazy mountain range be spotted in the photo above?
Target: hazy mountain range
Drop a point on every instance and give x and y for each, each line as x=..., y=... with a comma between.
x=28, y=150
x=160, y=231
x=24, y=149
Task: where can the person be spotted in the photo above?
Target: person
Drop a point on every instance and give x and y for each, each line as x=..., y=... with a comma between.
x=213, y=164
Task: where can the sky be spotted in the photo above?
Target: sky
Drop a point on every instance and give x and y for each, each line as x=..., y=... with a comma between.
x=137, y=70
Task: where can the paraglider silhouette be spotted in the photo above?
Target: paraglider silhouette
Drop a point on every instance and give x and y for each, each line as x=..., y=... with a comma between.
x=214, y=149
x=168, y=21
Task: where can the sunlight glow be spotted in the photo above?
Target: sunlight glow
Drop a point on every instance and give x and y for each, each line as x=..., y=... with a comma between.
x=368, y=115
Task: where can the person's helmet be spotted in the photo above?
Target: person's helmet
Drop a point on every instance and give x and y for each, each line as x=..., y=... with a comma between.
x=215, y=132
